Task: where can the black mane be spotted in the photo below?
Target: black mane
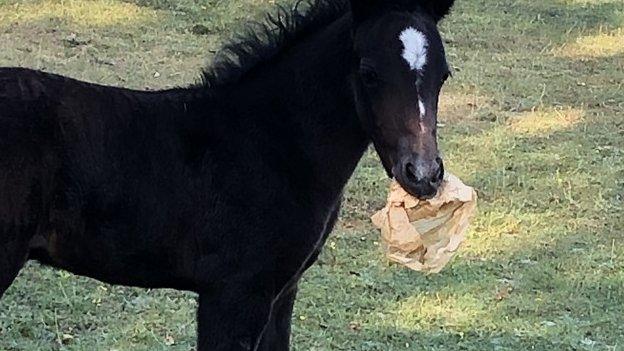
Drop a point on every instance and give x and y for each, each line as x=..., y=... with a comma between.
x=262, y=41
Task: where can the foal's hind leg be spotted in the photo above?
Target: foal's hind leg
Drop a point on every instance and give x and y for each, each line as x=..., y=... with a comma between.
x=13, y=254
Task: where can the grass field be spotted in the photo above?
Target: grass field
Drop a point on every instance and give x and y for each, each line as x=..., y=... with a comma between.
x=534, y=119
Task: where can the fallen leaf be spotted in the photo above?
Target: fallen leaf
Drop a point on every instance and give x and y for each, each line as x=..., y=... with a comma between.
x=503, y=293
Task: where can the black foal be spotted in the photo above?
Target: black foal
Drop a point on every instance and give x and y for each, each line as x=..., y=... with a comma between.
x=229, y=188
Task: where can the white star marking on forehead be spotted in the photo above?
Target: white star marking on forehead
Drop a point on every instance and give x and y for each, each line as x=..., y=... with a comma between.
x=415, y=47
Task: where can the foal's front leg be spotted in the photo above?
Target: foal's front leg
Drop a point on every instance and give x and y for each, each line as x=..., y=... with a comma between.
x=234, y=318
x=276, y=335
x=13, y=253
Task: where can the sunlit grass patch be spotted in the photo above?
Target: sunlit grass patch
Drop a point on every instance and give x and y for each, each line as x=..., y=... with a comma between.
x=594, y=46
x=589, y=2
x=544, y=122
x=449, y=311
x=460, y=108
x=95, y=13
x=499, y=232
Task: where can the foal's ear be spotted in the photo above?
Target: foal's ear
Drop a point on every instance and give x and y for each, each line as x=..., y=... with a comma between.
x=437, y=8
x=362, y=9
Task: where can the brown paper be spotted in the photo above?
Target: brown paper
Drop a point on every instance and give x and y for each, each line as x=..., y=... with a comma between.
x=425, y=234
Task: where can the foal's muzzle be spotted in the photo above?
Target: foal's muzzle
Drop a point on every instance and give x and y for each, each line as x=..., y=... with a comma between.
x=420, y=177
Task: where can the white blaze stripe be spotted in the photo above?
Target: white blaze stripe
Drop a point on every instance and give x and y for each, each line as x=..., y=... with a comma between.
x=421, y=106
x=415, y=47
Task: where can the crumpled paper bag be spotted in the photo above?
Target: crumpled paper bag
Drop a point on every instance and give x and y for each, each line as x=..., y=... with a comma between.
x=425, y=234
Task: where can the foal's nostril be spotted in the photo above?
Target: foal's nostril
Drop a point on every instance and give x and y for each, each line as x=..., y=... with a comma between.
x=420, y=172
x=410, y=172
x=421, y=177
x=440, y=174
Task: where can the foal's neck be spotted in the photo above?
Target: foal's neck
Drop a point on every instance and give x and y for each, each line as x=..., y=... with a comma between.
x=307, y=86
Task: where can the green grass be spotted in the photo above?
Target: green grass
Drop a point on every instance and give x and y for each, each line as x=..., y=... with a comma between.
x=534, y=119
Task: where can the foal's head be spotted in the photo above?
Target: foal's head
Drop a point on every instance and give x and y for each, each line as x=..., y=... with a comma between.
x=399, y=71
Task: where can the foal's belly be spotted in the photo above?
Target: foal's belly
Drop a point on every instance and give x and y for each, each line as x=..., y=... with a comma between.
x=118, y=252
x=116, y=260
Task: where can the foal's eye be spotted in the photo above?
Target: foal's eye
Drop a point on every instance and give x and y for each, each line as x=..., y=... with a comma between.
x=369, y=76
